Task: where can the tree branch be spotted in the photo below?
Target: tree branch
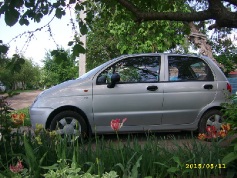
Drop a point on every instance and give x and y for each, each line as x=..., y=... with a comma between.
x=216, y=11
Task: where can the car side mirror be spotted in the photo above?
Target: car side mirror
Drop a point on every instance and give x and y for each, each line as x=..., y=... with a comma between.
x=115, y=78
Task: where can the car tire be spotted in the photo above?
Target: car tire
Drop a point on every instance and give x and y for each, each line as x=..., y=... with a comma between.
x=212, y=117
x=69, y=123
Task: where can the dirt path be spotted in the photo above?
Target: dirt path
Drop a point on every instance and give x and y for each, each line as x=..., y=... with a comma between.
x=23, y=100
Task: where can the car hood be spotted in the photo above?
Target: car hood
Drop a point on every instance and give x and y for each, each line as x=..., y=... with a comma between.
x=69, y=88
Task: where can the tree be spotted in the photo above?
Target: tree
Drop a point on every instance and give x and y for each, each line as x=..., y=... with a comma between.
x=17, y=75
x=59, y=66
x=101, y=44
x=28, y=76
x=220, y=13
x=113, y=32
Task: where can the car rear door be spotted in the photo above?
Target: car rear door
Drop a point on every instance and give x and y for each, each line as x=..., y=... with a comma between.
x=189, y=87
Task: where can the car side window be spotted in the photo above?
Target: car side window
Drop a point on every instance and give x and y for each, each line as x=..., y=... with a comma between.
x=140, y=69
x=183, y=68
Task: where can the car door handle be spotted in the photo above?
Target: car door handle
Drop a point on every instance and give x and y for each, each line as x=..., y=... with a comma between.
x=208, y=86
x=152, y=88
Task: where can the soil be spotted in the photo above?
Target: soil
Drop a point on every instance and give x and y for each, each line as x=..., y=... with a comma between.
x=22, y=100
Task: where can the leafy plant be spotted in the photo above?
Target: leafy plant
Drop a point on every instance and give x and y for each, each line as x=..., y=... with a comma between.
x=230, y=112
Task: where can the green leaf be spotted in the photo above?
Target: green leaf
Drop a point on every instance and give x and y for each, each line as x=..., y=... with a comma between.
x=45, y=9
x=135, y=167
x=173, y=170
x=3, y=9
x=24, y=22
x=72, y=1
x=79, y=7
x=59, y=13
x=235, y=148
x=30, y=154
x=29, y=3
x=3, y=49
x=54, y=53
x=77, y=49
x=54, y=166
x=83, y=29
x=177, y=160
x=70, y=43
x=229, y=158
x=11, y=17
x=38, y=17
x=16, y=3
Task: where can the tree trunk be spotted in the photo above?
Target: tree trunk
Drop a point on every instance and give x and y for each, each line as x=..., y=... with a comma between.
x=200, y=40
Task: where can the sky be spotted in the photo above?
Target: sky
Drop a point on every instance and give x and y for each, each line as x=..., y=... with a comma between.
x=41, y=41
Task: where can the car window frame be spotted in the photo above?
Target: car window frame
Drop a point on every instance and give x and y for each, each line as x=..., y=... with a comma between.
x=190, y=80
x=154, y=56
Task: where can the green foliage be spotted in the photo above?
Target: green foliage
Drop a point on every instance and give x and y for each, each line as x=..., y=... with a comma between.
x=114, y=32
x=5, y=120
x=19, y=70
x=75, y=172
x=3, y=49
x=50, y=155
x=59, y=66
x=225, y=51
x=101, y=44
x=16, y=63
x=230, y=111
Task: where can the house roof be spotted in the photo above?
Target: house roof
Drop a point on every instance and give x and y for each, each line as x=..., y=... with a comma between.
x=233, y=73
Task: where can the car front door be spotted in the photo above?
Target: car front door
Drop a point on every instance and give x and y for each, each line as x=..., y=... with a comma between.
x=190, y=87
x=138, y=96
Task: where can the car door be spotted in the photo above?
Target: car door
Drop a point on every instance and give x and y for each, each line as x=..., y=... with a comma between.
x=189, y=88
x=138, y=96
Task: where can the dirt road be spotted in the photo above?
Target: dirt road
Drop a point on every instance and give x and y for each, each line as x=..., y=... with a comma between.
x=23, y=100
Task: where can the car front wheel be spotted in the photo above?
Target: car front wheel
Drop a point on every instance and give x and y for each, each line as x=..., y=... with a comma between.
x=69, y=123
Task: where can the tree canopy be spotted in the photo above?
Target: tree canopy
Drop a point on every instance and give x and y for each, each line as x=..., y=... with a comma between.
x=171, y=16
x=222, y=11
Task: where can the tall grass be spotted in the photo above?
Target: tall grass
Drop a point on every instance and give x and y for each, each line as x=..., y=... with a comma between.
x=153, y=157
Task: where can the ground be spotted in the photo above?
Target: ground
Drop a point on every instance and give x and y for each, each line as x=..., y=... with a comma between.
x=23, y=100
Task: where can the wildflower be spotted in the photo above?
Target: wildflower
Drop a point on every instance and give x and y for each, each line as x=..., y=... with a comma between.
x=38, y=128
x=222, y=133
x=213, y=133
x=18, y=168
x=225, y=127
x=18, y=119
x=211, y=129
x=38, y=139
x=52, y=134
x=116, y=125
x=202, y=136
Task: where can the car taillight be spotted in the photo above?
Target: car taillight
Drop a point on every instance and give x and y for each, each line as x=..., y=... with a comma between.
x=229, y=87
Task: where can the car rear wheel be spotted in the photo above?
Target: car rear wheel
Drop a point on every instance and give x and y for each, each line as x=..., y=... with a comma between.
x=69, y=123
x=211, y=118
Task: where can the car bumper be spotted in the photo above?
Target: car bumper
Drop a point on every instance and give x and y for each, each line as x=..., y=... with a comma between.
x=39, y=116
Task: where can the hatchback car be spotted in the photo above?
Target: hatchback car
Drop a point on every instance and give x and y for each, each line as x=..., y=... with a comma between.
x=155, y=92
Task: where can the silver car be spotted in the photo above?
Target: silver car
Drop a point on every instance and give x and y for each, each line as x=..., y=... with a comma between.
x=155, y=92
